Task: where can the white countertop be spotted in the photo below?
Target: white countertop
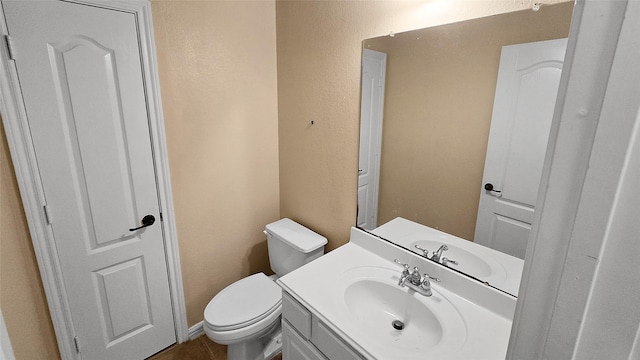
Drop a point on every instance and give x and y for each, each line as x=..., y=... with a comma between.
x=487, y=313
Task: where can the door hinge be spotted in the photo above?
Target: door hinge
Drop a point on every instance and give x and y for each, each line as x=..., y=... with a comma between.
x=161, y=217
x=75, y=341
x=47, y=214
x=10, y=48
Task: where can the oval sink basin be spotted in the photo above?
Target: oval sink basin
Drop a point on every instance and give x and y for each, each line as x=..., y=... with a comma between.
x=397, y=317
x=377, y=306
x=479, y=266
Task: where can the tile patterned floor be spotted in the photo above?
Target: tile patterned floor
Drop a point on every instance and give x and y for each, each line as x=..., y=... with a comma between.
x=198, y=349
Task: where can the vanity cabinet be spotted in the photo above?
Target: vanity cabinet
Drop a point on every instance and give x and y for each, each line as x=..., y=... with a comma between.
x=306, y=337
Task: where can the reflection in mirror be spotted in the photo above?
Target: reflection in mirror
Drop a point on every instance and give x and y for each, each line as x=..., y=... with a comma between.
x=454, y=126
x=493, y=267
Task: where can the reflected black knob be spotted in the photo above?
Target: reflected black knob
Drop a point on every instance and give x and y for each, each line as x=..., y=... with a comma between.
x=489, y=187
x=147, y=220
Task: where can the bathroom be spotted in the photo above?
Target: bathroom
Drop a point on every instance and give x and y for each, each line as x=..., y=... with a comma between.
x=241, y=84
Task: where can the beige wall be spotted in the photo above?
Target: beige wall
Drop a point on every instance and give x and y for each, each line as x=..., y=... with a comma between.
x=22, y=298
x=217, y=64
x=440, y=88
x=319, y=53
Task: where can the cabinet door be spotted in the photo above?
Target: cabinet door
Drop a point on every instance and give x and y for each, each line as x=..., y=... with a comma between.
x=297, y=315
x=330, y=344
x=294, y=347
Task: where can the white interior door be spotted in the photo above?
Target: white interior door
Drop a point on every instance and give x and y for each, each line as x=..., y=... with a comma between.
x=374, y=64
x=80, y=74
x=526, y=92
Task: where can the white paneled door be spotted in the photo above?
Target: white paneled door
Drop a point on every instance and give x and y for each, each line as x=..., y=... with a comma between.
x=526, y=91
x=374, y=64
x=81, y=78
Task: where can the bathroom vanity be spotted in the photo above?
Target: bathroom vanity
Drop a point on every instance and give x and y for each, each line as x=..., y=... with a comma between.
x=351, y=304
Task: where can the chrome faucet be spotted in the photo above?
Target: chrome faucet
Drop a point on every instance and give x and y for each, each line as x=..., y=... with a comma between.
x=438, y=253
x=414, y=281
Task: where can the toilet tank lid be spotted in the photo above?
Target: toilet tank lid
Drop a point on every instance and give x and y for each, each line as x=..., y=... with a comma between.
x=296, y=235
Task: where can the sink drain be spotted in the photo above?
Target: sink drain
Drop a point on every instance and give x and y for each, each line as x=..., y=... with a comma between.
x=397, y=324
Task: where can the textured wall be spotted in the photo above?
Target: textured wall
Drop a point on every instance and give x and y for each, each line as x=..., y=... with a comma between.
x=22, y=298
x=217, y=64
x=319, y=53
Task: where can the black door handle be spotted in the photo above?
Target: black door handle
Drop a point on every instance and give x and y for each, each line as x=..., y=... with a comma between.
x=489, y=187
x=147, y=220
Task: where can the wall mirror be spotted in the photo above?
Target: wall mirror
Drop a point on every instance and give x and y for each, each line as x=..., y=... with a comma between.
x=454, y=126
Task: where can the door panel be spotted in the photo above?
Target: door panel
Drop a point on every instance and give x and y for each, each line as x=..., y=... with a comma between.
x=510, y=228
x=363, y=206
x=93, y=126
x=532, y=114
x=125, y=306
x=526, y=91
x=81, y=77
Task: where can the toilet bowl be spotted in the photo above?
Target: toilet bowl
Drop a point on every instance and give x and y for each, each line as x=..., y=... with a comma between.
x=246, y=315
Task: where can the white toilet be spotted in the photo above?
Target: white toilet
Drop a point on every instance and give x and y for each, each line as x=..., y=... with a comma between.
x=246, y=314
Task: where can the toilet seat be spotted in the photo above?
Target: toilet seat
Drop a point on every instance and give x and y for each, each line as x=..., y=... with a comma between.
x=242, y=304
x=250, y=332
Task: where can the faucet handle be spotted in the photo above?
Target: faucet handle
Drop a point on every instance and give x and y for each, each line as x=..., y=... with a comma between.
x=400, y=263
x=446, y=261
x=425, y=252
x=405, y=266
x=429, y=277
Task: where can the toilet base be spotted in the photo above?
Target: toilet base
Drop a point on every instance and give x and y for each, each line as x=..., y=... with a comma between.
x=263, y=348
x=274, y=346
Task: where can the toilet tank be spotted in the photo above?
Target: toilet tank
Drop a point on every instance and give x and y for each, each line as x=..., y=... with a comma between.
x=292, y=245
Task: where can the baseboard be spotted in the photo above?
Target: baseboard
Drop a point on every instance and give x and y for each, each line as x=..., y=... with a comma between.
x=196, y=331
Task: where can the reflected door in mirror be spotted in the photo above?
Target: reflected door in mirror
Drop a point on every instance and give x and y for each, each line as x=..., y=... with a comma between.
x=374, y=65
x=526, y=91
